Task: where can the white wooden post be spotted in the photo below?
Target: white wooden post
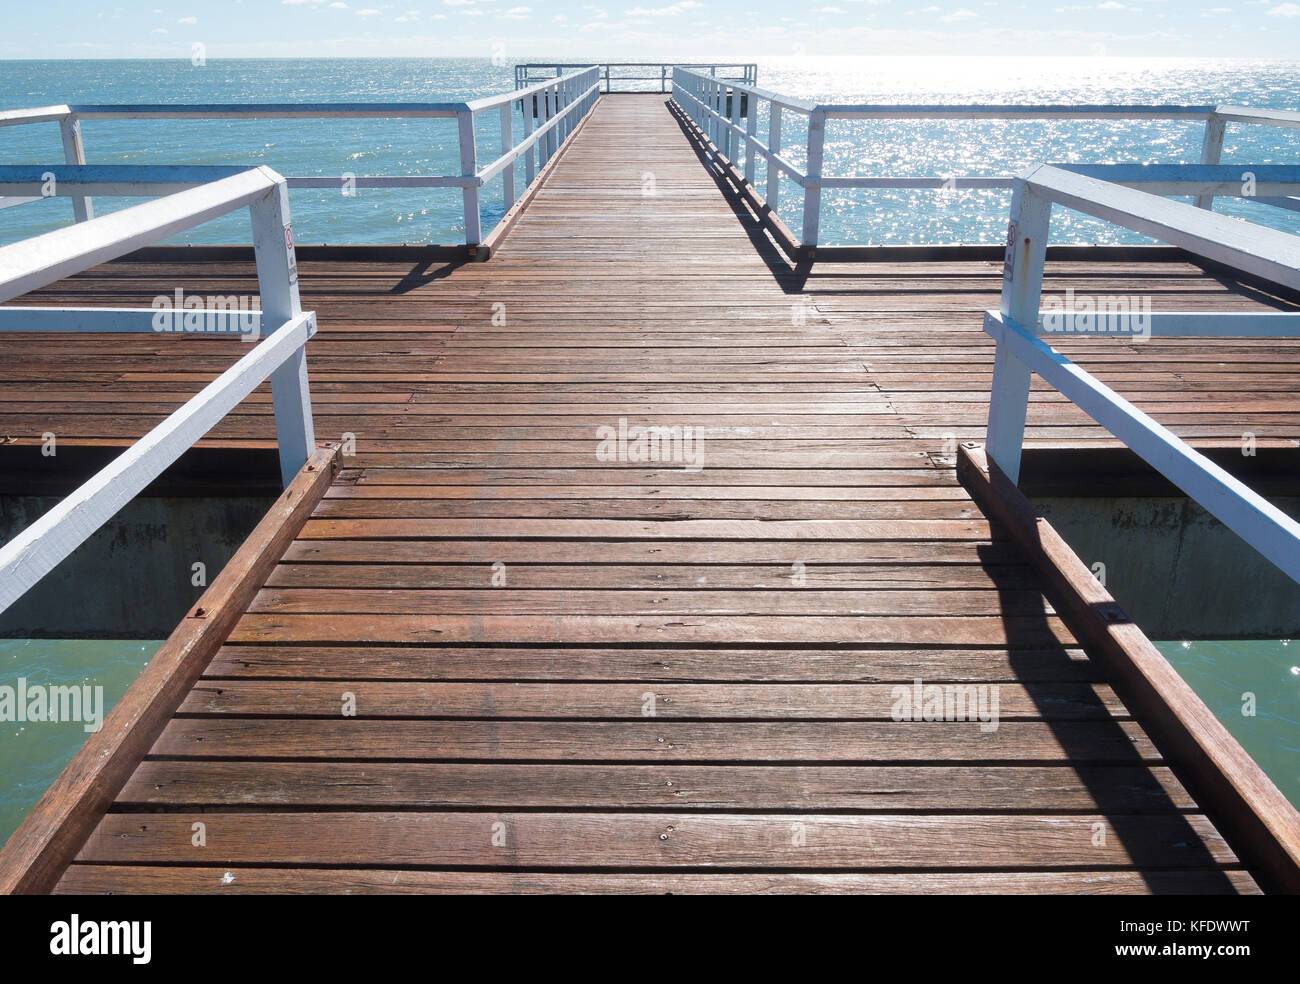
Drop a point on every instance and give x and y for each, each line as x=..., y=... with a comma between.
x=543, y=109
x=530, y=156
x=719, y=140
x=1211, y=151
x=774, y=145
x=724, y=135
x=74, y=152
x=710, y=101
x=570, y=93
x=733, y=153
x=561, y=102
x=507, y=144
x=751, y=128
x=277, y=283
x=812, y=196
x=468, y=170
x=1022, y=288
x=552, y=95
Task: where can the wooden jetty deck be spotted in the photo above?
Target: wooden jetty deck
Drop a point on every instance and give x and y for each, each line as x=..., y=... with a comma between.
x=679, y=680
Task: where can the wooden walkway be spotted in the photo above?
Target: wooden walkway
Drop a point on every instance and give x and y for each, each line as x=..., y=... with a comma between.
x=575, y=674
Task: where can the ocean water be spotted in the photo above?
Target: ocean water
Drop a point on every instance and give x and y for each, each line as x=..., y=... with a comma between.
x=33, y=753
x=1253, y=688
x=891, y=148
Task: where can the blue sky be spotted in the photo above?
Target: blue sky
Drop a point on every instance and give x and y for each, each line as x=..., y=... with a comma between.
x=650, y=29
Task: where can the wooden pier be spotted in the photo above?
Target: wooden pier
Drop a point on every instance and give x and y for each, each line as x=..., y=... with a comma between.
x=574, y=674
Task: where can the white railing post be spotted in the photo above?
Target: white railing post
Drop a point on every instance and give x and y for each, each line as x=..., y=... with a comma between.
x=734, y=118
x=1211, y=151
x=712, y=89
x=507, y=144
x=812, y=193
x=561, y=104
x=1022, y=288
x=277, y=283
x=721, y=138
x=74, y=152
x=774, y=145
x=530, y=157
x=551, y=97
x=751, y=129
x=469, y=171
x=544, y=113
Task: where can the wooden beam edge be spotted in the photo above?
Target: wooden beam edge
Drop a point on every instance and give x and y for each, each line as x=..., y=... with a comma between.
x=492, y=241
x=38, y=852
x=1259, y=823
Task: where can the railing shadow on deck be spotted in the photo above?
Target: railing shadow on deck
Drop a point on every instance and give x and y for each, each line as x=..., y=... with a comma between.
x=425, y=272
x=1025, y=635
x=791, y=276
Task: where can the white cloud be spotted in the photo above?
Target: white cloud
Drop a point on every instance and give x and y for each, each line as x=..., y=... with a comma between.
x=188, y=20
x=1285, y=10
x=957, y=15
x=670, y=11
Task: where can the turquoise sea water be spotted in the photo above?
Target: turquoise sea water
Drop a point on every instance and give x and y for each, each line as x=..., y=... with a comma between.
x=32, y=754
x=893, y=148
x=1221, y=673
x=1253, y=688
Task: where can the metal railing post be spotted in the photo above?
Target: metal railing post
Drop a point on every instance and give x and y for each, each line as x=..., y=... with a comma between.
x=1022, y=288
x=812, y=192
x=1211, y=151
x=774, y=145
x=469, y=172
x=277, y=283
x=74, y=152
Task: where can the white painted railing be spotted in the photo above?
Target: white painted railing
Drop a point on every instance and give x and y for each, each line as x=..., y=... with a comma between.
x=549, y=110
x=1131, y=200
x=191, y=196
x=618, y=76
x=731, y=125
